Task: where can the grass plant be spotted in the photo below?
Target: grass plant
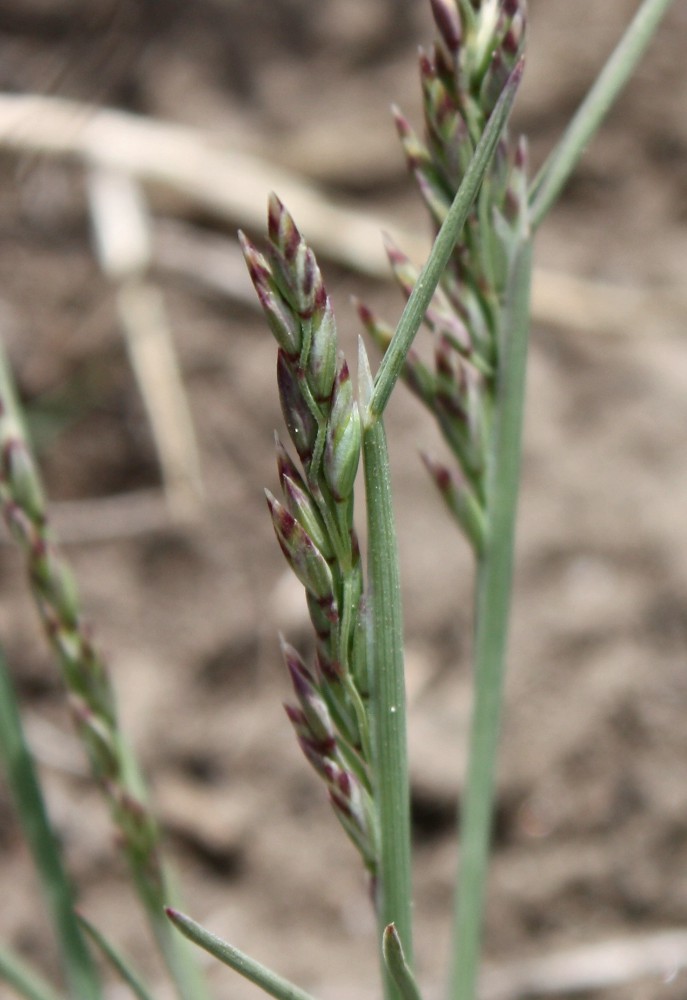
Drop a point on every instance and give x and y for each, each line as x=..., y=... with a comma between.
x=348, y=707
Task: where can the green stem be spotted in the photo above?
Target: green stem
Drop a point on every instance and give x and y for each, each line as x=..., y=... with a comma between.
x=268, y=981
x=26, y=792
x=117, y=960
x=430, y=275
x=494, y=577
x=387, y=702
x=184, y=970
x=554, y=174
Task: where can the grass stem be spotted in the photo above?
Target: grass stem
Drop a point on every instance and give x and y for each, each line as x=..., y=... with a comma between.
x=116, y=960
x=80, y=971
x=387, y=703
x=494, y=576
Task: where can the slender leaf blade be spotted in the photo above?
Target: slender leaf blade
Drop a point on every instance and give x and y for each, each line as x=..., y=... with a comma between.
x=399, y=969
x=268, y=981
x=117, y=960
x=28, y=799
x=421, y=296
x=557, y=169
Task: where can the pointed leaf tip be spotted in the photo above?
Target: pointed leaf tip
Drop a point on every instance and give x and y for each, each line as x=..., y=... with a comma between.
x=272, y=984
x=397, y=964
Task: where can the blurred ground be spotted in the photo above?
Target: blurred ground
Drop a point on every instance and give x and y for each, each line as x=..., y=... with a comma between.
x=591, y=839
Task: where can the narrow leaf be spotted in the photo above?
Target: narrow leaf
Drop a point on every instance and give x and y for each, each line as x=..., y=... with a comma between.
x=29, y=803
x=268, y=981
x=117, y=960
x=397, y=966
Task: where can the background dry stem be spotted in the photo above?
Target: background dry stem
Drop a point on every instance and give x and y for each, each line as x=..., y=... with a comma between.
x=231, y=185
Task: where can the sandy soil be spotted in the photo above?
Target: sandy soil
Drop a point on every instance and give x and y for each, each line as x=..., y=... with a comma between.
x=591, y=839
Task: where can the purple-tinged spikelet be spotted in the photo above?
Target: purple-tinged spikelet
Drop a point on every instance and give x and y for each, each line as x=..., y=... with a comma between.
x=447, y=20
x=405, y=274
x=281, y=319
x=302, y=554
x=312, y=704
x=380, y=332
x=301, y=505
x=299, y=420
x=285, y=464
x=416, y=152
x=292, y=261
x=460, y=500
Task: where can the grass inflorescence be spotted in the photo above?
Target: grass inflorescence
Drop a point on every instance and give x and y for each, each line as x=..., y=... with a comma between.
x=313, y=521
